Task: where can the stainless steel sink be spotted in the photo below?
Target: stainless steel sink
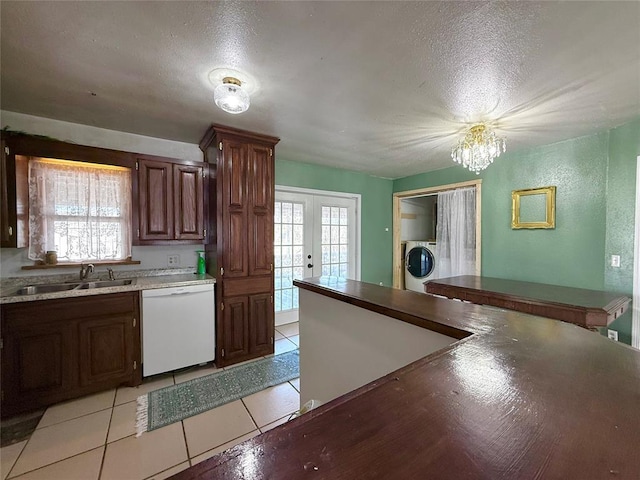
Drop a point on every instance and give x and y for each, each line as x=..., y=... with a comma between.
x=54, y=287
x=105, y=283
x=62, y=287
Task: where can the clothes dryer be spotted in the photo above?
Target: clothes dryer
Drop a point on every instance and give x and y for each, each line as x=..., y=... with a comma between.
x=420, y=264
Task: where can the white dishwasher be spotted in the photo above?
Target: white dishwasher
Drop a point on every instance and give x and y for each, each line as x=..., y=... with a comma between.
x=178, y=327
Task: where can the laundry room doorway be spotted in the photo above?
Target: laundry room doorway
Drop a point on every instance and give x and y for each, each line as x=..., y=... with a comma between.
x=436, y=233
x=316, y=233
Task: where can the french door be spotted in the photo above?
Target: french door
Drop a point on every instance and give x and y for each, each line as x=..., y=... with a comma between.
x=313, y=235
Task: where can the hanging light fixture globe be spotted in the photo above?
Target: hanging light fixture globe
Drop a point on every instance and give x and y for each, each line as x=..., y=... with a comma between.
x=477, y=150
x=230, y=96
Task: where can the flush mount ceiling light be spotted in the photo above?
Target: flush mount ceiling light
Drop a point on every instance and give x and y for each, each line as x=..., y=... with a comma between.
x=478, y=148
x=230, y=96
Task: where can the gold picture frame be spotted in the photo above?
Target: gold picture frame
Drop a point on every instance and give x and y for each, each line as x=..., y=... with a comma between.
x=533, y=208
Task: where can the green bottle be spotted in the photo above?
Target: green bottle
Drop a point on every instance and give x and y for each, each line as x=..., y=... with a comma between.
x=202, y=264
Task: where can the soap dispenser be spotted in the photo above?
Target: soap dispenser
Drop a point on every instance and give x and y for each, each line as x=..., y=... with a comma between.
x=202, y=264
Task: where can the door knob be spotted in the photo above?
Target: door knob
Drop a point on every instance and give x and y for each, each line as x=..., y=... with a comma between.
x=309, y=265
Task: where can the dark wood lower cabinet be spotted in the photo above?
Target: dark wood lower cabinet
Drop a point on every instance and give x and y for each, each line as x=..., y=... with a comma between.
x=106, y=350
x=235, y=329
x=55, y=350
x=247, y=328
x=261, y=324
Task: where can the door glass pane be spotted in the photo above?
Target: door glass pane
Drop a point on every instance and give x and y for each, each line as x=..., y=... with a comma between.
x=326, y=249
x=326, y=215
x=335, y=241
x=298, y=214
x=278, y=300
x=335, y=216
x=289, y=253
x=276, y=234
x=276, y=212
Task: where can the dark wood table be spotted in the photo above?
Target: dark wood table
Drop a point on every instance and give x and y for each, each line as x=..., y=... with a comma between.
x=587, y=308
x=513, y=399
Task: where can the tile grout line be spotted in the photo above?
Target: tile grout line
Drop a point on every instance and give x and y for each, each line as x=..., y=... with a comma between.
x=184, y=433
x=165, y=470
x=29, y=472
x=249, y=412
x=106, y=439
x=18, y=457
x=53, y=424
x=228, y=441
x=277, y=420
x=62, y=459
x=69, y=419
x=294, y=387
x=105, y=444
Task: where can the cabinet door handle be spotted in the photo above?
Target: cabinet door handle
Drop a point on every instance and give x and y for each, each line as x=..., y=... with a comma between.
x=11, y=231
x=309, y=265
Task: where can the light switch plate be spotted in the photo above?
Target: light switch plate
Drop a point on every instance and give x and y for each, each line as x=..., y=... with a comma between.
x=615, y=260
x=612, y=334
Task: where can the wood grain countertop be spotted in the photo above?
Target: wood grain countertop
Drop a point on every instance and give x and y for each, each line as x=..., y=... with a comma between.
x=587, y=308
x=516, y=397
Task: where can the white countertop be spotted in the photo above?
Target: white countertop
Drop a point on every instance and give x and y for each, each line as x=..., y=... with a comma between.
x=8, y=295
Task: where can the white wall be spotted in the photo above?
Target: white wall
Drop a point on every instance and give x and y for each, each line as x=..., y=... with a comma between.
x=99, y=137
x=343, y=347
x=12, y=259
x=422, y=226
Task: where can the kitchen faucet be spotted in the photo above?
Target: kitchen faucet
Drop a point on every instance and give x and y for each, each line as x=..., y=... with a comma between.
x=85, y=271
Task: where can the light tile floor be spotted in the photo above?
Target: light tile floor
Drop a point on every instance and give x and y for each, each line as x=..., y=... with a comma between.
x=93, y=437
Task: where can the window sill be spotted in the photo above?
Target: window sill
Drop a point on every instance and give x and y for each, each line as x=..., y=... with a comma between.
x=97, y=263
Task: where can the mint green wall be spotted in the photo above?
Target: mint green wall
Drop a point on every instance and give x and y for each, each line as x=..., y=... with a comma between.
x=595, y=180
x=376, y=215
x=624, y=148
x=572, y=253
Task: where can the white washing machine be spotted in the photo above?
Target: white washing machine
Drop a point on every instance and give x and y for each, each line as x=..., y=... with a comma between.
x=419, y=264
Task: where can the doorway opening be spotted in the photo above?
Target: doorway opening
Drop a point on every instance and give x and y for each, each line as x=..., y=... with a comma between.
x=316, y=233
x=416, y=213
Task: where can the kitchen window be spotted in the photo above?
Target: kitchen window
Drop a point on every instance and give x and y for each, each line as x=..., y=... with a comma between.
x=80, y=210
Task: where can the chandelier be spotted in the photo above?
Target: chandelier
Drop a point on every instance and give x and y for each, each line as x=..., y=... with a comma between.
x=230, y=96
x=478, y=148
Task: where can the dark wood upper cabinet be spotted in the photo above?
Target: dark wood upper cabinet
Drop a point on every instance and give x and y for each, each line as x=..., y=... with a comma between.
x=188, y=190
x=167, y=194
x=233, y=181
x=260, y=212
x=155, y=200
x=13, y=208
x=5, y=208
x=244, y=165
x=171, y=201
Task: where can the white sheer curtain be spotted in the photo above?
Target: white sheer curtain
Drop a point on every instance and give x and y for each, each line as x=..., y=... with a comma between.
x=456, y=233
x=81, y=210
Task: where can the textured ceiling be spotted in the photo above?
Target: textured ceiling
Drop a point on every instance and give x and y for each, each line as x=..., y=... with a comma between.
x=378, y=87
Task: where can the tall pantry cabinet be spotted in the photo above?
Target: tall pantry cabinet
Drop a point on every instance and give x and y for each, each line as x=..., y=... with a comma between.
x=242, y=177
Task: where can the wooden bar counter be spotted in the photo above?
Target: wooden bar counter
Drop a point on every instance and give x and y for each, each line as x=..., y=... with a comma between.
x=514, y=397
x=587, y=308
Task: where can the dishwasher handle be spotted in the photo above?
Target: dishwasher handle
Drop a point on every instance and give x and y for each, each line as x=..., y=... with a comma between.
x=171, y=291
